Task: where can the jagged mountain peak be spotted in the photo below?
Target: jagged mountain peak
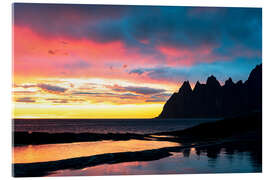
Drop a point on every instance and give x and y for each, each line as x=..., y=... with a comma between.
x=197, y=83
x=197, y=86
x=212, y=82
x=229, y=83
x=239, y=83
x=185, y=88
x=255, y=73
x=213, y=100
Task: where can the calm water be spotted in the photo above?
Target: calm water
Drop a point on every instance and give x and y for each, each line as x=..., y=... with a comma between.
x=211, y=160
x=191, y=161
x=54, y=152
x=140, y=126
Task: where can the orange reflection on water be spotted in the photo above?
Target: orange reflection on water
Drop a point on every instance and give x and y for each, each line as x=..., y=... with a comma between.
x=126, y=168
x=162, y=136
x=53, y=152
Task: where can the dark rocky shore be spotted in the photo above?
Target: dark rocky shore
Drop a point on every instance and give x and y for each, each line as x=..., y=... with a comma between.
x=37, y=138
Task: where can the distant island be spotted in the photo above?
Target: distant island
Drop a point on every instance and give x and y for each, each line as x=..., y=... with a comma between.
x=211, y=100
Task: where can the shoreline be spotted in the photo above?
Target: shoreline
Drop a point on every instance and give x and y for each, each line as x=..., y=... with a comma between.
x=45, y=168
x=215, y=129
x=241, y=132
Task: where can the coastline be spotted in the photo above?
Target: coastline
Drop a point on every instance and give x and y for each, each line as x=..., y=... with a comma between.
x=204, y=136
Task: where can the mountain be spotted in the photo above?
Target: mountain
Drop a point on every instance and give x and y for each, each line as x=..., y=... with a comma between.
x=212, y=100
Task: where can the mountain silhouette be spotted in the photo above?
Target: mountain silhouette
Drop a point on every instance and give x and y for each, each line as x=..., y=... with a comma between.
x=212, y=100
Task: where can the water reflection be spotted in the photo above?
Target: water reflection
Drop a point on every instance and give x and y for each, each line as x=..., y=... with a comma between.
x=186, y=152
x=194, y=160
x=53, y=152
x=234, y=152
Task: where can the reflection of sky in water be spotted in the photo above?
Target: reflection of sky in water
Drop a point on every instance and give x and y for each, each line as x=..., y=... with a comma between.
x=189, y=161
x=53, y=152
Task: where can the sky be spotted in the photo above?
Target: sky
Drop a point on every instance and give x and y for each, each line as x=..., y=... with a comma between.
x=106, y=61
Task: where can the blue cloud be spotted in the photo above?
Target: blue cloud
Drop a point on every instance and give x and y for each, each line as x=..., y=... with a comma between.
x=238, y=69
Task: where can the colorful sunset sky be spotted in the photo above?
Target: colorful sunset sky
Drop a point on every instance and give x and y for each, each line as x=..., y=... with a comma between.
x=105, y=61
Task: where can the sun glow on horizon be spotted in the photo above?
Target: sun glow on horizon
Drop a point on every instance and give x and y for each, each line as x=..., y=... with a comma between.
x=101, y=111
x=85, y=98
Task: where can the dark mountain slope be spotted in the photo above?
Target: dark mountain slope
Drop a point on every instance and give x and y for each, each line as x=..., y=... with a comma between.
x=213, y=100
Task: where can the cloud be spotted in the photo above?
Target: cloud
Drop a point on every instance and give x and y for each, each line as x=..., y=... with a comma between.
x=144, y=90
x=155, y=100
x=137, y=71
x=23, y=92
x=137, y=89
x=117, y=98
x=58, y=101
x=46, y=87
x=65, y=100
x=92, y=93
x=121, y=96
x=174, y=26
x=148, y=39
x=129, y=96
x=164, y=73
x=159, y=98
x=78, y=65
x=24, y=85
x=25, y=100
x=52, y=88
x=64, y=42
x=52, y=52
x=238, y=70
x=180, y=74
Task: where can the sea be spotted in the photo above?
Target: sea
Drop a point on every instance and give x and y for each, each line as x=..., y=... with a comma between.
x=190, y=161
x=138, y=126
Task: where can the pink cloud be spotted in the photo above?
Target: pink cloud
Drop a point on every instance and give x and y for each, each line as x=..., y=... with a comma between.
x=186, y=57
x=37, y=55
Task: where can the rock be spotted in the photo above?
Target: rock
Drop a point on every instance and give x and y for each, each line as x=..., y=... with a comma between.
x=229, y=83
x=211, y=100
x=185, y=89
x=212, y=82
